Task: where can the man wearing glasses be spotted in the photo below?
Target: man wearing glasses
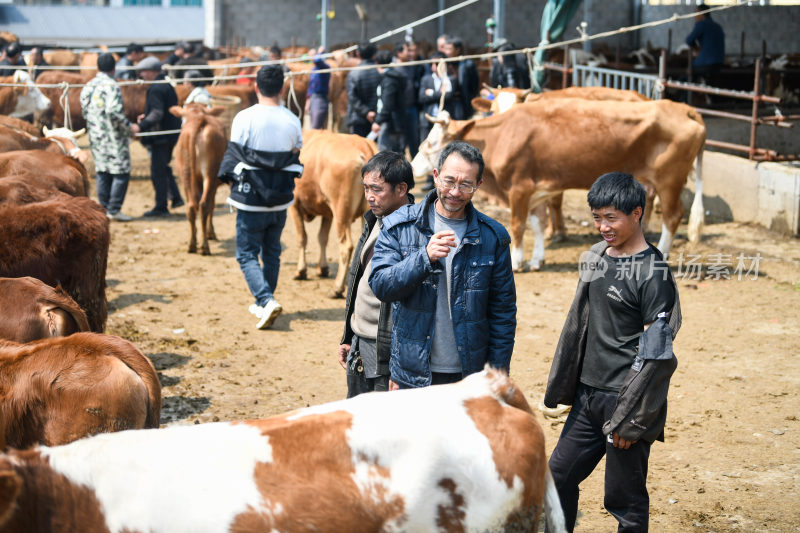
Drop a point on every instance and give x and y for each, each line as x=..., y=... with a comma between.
x=447, y=269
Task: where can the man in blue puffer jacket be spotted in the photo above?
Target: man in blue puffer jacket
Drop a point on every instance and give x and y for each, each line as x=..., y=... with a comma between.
x=447, y=269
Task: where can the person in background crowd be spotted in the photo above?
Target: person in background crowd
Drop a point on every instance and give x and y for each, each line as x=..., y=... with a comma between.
x=261, y=163
x=36, y=60
x=468, y=81
x=317, y=93
x=389, y=124
x=614, y=358
x=430, y=93
x=246, y=74
x=109, y=137
x=366, y=342
x=125, y=66
x=199, y=93
x=454, y=301
x=12, y=56
x=406, y=52
x=156, y=117
x=707, y=41
x=177, y=54
x=508, y=70
x=362, y=95
x=441, y=43
x=275, y=54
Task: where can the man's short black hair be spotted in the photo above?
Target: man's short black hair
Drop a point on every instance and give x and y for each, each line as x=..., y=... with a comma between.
x=393, y=168
x=383, y=57
x=366, y=50
x=13, y=49
x=269, y=80
x=106, y=62
x=618, y=190
x=133, y=47
x=276, y=50
x=458, y=44
x=466, y=151
x=195, y=78
x=399, y=47
x=702, y=9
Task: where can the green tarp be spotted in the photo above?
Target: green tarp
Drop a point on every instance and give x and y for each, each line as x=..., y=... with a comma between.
x=555, y=17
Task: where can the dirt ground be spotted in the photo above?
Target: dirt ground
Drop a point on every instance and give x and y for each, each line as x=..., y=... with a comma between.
x=731, y=460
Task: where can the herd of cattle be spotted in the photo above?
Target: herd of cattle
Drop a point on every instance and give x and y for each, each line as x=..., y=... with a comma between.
x=62, y=379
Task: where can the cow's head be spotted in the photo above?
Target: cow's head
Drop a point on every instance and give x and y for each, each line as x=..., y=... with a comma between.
x=444, y=131
x=504, y=98
x=30, y=99
x=67, y=140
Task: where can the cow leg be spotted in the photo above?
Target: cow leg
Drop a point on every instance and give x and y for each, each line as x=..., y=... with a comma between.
x=555, y=221
x=671, y=214
x=302, y=242
x=323, y=270
x=518, y=199
x=697, y=213
x=345, y=254
x=537, y=219
x=649, y=206
x=191, y=214
x=206, y=211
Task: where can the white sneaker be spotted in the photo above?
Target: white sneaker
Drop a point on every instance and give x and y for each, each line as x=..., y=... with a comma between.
x=268, y=314
x=256, y=309
x=119, y=216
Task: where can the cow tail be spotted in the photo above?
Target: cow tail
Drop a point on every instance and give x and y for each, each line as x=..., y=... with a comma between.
x=554, y=514
x=191, y=164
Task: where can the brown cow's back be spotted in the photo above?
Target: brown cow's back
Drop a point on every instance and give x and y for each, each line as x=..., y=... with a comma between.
x=32, y=310
x=67, y=174
x=59, y=390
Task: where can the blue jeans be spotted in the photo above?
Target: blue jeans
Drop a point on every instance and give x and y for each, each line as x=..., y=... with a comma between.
x=111, y=189
x=260, y=233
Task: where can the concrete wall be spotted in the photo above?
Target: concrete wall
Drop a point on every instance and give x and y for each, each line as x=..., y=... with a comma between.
x=262, y=22
x=737, y=189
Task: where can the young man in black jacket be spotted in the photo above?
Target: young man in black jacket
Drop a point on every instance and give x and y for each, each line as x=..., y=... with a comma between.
x=366, y=343
x=614, y=358
x=261, y=164
x=390, y=121
x=156, y=117
x=362, y=92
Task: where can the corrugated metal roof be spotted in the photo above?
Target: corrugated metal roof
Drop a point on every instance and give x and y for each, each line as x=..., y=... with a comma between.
x=89, y=26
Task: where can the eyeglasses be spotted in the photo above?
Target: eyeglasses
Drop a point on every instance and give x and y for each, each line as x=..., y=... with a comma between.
x=449, y=185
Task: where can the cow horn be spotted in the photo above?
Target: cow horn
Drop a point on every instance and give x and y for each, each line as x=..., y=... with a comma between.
x=490, y=89
x=525, y=93
x=45, y=130
x=435, y=120
x=80, y=132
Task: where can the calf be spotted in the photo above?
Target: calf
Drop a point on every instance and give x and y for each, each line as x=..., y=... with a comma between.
x=331, y=188
x=60, y=241
x=23, y=97
x=58, y=390
x=32, y=310
x=198, y=154
x=463, y=457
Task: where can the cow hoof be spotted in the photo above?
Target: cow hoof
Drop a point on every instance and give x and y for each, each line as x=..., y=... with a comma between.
x=535, y=266
x=324, y=272
x=558, y=237
x=212, y=237
x=301, y=275
x=206, y=251
x=192, y=249
x=334, y=293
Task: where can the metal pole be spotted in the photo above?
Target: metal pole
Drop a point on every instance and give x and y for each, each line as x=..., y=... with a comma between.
x=756, y=94
x=662, y=74
x=440, y=20
x=500, y=19
x=323, y=32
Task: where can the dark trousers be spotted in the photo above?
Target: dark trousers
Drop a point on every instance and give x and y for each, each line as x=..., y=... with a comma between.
x=360, y=128
x=358, y=383
x=318, y=111
x=161, y=175
x=412, y=130
x=579, y=450
x=439, y=378
x=111, y=189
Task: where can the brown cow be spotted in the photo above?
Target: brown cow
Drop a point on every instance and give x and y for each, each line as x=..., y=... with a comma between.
x=245, y=93
x=198, y=154
x=67, y=174
x=21, y=125
x=58, y=390
x=12, y=138
x=60, y=241
x=506, y=98
x=19, y=189
x=21, y=99
x=331, y=188
x=463, y=457
x=529, y=157
x=31, y=310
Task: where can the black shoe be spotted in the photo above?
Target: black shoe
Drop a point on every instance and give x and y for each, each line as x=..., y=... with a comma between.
x=177, y=203
x=156, y=213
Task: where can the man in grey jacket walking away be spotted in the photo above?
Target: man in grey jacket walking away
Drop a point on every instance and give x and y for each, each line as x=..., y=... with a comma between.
x=614, y=358
x=365, y=345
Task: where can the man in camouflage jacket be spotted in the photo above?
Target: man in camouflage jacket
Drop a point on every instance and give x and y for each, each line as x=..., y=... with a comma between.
x=109, y=136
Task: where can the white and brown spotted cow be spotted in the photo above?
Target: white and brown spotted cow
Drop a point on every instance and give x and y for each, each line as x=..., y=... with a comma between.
x=462, y=457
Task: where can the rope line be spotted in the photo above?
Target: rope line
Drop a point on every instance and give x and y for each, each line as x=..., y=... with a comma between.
x=486, y=55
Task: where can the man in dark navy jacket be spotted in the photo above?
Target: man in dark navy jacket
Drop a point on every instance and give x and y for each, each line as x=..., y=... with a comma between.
x=261, y=164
